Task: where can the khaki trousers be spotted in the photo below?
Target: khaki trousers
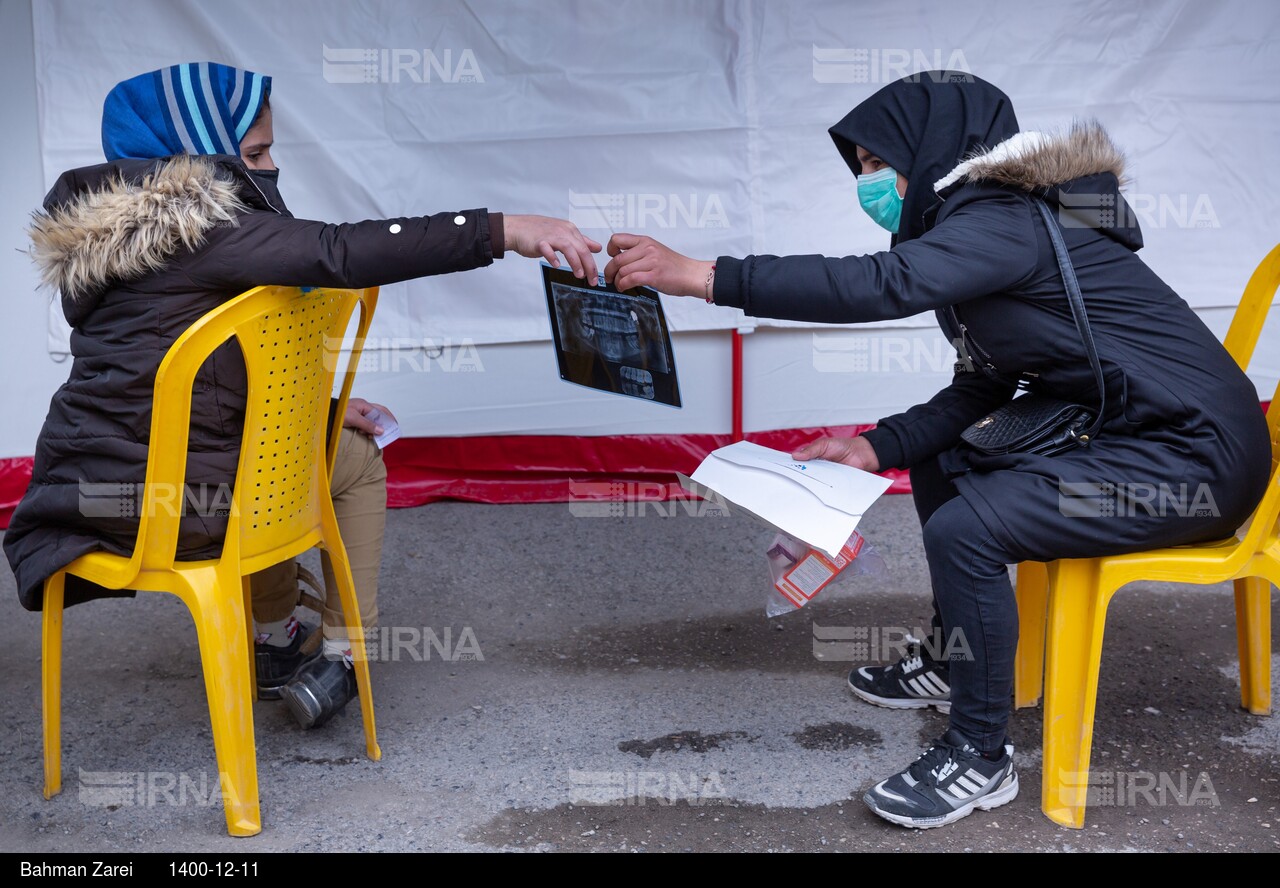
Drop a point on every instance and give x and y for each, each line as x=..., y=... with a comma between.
x=359, y=489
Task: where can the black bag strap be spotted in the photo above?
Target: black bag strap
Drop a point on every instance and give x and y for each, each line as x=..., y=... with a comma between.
x=1077, y=313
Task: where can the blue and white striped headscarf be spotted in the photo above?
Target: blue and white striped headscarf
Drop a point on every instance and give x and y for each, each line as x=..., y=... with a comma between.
x=196, y=108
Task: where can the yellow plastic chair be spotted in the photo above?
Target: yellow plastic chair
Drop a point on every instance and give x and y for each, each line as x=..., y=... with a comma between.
x=1080, y=590
x=1069, y=599
x=280, y=508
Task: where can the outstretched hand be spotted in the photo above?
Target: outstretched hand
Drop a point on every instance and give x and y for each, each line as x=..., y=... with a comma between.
x=542, y=237
x=856, y=452
x=640, y=261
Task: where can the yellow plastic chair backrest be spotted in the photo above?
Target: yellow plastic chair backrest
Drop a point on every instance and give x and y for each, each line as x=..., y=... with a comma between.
x=291, y=341
x=1251, y=314
x=1241, y=341
x=1264, y=530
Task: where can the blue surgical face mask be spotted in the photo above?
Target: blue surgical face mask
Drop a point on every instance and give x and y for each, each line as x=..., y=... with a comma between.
x=878, y=194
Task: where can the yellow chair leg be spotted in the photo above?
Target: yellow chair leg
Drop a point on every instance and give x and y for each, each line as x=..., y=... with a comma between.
x=351, y=616
x=51, y=683
x=1253, y=634
x=220, y=628
x=248, y=621
x=1077, y=618
x=1032, y=592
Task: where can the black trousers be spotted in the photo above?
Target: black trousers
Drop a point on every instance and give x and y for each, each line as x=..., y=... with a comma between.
x=975, y=613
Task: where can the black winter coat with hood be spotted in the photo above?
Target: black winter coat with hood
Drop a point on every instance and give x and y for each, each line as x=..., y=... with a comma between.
x=1184, y=454
x=140, y=250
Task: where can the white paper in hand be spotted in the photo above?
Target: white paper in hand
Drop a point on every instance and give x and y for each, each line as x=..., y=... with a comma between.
x=819, y=502
x=390, y=428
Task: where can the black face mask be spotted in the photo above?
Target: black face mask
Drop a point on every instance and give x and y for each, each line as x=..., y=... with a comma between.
x=267, y=182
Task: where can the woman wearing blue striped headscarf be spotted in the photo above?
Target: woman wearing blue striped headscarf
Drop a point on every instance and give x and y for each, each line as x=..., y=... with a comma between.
x=184, y=215
x=195, y=108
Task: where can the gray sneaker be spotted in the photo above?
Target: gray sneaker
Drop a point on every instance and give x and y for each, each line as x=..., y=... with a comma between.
x=911, y=683
x=949, y=781
x=319, y=691
x=276, y=665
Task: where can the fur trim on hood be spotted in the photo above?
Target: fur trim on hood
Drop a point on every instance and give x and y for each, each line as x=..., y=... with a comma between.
x=1033, y=161
x=125, y=229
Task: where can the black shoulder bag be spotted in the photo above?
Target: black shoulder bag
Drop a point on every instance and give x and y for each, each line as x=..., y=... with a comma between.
x=1037, y=423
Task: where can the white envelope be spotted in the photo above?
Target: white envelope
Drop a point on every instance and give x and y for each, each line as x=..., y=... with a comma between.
x=818, y=502
x=390, y=428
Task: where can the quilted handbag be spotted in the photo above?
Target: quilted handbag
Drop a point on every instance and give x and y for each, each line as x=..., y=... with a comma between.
x=1038, y=423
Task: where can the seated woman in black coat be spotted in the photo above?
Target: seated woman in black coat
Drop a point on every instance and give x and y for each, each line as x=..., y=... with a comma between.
x=184, y=216
x=941, y=164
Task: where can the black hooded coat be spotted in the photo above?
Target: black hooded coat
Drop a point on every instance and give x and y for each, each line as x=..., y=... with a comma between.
x=1183, y=455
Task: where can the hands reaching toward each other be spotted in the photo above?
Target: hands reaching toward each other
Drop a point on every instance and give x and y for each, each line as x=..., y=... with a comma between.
x=640, y=261
x=358, y=410
x=541, y=237
x=856, y=452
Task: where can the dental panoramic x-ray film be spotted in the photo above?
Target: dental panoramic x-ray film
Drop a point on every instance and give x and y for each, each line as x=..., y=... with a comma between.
x=610, y=340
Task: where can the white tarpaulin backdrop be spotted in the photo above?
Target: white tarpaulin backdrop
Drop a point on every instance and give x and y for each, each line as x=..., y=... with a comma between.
x=701, y=123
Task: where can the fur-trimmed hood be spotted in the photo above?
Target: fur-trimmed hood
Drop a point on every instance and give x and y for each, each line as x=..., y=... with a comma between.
x=1036, y=161
x=118, y=221
x=1078, y=173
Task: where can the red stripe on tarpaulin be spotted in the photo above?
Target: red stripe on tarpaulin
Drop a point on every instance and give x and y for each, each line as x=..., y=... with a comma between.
x=527, y=468
x=522, y=468
x=561, y=468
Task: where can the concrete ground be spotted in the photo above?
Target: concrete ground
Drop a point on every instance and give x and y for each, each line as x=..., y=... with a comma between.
x=546, y=659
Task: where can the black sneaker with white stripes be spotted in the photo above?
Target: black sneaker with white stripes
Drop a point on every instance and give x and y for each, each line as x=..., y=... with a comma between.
x=945, y=784
x=911, y=683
